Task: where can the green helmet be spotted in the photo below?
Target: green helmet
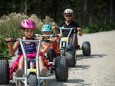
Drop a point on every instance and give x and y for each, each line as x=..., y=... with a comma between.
x=46, y=27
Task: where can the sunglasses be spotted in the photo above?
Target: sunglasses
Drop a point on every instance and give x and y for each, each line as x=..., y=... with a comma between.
x=68, y=15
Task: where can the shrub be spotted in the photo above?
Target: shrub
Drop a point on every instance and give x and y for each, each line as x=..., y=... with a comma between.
x=98, y=28
x=10, y=27
x=4, y=53
x=40, y=22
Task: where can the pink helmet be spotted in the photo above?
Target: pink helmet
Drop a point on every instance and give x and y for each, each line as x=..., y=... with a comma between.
x=28, y=24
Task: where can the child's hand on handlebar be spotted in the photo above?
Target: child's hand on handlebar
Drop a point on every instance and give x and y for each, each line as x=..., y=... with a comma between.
x=8, y=39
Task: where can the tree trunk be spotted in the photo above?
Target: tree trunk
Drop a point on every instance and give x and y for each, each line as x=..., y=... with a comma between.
x=25, y=7
x=85, y=13
x=111, y=11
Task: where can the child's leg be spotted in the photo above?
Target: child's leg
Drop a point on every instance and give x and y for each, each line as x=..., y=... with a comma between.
x=14, y=67
x=20, y=69
x=51, y=54
x=43, y=69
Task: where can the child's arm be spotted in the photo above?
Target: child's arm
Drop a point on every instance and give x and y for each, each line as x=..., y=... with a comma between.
x=45, y=47
x=55, y=38
x=12, y=49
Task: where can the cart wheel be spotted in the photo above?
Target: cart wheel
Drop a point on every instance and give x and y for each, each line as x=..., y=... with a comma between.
x=4, y=72
x=71, y=57
x=32, y=79
x=86, y=48
x=61, y=68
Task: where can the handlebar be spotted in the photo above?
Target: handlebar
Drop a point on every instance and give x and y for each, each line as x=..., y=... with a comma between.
x=19, y=39
x=52, y=35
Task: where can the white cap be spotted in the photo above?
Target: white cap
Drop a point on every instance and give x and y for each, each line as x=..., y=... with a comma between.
x=68, y=11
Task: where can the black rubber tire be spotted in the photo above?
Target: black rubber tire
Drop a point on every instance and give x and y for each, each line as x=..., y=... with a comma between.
x=32, y=79
x=61, y=68
x=71, y=57
x=4, y=72
x=86, y=48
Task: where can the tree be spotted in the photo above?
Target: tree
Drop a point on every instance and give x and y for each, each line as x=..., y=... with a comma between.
x=25, y=7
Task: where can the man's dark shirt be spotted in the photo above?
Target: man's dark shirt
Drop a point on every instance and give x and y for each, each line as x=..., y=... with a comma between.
x=71, y=25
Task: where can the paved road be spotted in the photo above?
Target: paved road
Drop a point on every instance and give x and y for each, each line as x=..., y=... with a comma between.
x=97, y=69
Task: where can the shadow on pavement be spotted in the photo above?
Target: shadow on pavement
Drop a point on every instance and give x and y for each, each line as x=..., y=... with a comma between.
x=79, y=67
x=74, y=81
x=10, y=84
x=82, y=67
x=56, y=83
x=80, y=56
x=77, y=82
